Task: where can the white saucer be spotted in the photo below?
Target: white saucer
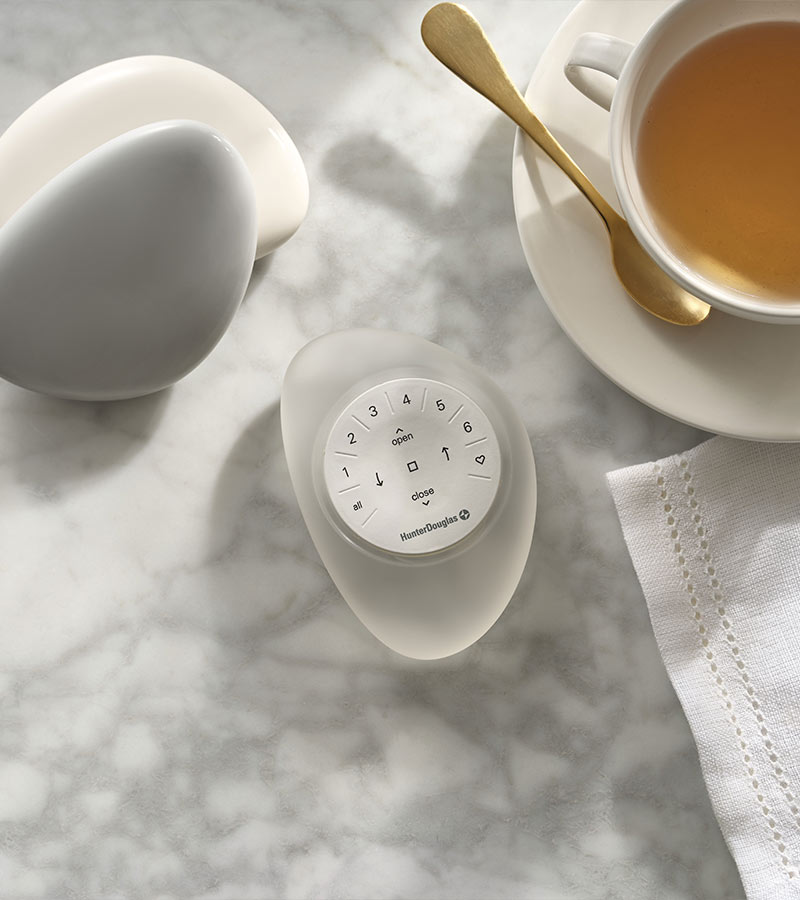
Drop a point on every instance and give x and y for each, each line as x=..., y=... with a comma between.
x=729, y=375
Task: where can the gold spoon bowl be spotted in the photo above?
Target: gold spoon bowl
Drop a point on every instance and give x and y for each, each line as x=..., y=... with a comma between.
x=456, y=39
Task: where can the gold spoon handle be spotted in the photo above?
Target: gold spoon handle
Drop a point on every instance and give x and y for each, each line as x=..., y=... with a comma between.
x=457, y=40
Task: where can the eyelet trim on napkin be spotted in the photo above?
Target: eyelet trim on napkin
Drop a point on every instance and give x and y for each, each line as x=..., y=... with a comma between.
x=713, y=588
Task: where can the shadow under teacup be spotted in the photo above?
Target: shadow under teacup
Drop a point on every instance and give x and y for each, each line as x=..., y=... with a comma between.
x=704, y=138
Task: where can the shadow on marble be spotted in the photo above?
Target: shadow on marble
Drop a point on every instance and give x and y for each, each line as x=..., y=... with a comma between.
x=370, y=166
x=263, y=574
x=55, y=443
x=260, y=271
x=478, y=256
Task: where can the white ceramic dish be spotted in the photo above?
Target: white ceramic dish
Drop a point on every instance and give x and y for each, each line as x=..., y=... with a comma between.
x=729, y=375
x=103, y=103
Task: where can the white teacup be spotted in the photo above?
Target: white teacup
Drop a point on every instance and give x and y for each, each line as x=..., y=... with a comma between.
x=639, y=69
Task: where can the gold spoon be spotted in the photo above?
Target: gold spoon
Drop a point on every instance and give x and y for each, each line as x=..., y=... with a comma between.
x=456, y=39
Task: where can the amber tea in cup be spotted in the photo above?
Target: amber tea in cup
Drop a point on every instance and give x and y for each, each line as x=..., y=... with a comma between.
x=718, y=158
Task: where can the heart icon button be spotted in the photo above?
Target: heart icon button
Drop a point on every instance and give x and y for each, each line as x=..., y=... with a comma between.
x=480, y=460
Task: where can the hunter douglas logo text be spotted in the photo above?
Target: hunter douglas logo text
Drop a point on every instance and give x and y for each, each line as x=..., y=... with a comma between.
x=432, y=526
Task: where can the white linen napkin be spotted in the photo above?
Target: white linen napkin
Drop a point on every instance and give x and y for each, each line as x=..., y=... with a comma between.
x=714, y=535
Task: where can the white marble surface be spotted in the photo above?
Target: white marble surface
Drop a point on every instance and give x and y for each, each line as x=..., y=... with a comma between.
x=187, y=707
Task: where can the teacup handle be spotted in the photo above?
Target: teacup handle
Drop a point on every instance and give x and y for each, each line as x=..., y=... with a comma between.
x=603, y=53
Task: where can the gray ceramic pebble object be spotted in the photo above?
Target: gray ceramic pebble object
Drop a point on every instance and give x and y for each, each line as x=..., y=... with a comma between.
x=121, y=274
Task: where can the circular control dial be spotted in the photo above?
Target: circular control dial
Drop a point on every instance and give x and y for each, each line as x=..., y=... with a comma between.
x=412, y=466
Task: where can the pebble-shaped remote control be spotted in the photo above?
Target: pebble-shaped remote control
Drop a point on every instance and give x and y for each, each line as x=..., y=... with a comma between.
x=416, y=479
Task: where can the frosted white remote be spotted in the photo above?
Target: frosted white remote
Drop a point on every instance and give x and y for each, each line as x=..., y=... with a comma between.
x=402, y=456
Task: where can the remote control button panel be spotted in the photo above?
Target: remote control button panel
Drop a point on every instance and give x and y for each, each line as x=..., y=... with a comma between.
x=412, y=466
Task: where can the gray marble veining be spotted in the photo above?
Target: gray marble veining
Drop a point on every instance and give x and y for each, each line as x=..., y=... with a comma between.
x=187, y=708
